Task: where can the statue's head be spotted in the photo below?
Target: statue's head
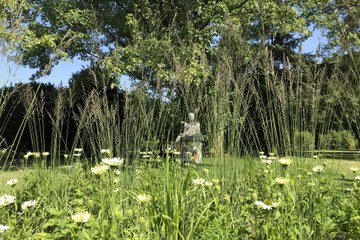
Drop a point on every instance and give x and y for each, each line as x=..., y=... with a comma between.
x=191, y=117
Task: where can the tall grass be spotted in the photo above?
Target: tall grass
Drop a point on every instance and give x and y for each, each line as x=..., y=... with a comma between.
x=243, y=107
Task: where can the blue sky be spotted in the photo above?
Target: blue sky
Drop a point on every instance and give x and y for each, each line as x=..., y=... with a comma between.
x=11, y=73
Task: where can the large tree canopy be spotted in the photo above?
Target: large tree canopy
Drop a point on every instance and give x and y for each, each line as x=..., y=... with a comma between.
x=152, y=38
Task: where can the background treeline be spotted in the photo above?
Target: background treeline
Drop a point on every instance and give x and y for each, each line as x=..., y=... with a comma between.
x=238, y=65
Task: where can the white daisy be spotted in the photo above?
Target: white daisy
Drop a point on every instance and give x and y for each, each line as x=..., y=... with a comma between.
x=285, y=161
x=266, y=161
x=45, y=154
x=3, y=228
x=143, y=198
x=267, y=204
x=100, y=169
x=36, y=154
x=113, y=161
x=81, y=217
x=12, y=182
x=199, y=181
x=282, y=181
x=6, y=200
x=318, y=168
x=28, y=204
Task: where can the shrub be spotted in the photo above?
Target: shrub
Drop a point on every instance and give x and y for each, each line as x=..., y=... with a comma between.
x=339, y=140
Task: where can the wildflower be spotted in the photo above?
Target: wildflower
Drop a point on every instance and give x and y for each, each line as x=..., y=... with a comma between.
x=263, y=157
x=113, y=161
x=78, y=149
x=271, y=158
x=316, y=156
x=271, y=154
x=209, y=184
x=318, y=168
x=143, y=198
x=285, y=161
x=81, y=217
x=100, y=169
x=266, y=161
x=45, y=154
x=117, y=172
x=282, y=181
x=77, y=154
x=66, y=156
x=105, y=151
x=116, y=190
x=28, y=204
x=116, y=180
x=12, y=182
x=6, y=200
x=36, y=154
x=349, y=190
x=199, y=181
x=262, y=153
x=267, y=204
x=357, y=178
x=27, y=155
x=3, y=228
x=354, y=169
x=3, y=151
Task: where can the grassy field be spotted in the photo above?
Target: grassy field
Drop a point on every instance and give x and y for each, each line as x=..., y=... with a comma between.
x=223, y=198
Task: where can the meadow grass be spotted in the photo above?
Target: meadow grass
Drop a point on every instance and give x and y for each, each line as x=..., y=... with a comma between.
x=223, y=198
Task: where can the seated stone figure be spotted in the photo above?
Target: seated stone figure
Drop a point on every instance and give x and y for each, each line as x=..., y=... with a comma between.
x=189, y=143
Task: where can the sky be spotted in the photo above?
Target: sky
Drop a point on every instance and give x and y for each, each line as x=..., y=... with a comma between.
x=10, y=73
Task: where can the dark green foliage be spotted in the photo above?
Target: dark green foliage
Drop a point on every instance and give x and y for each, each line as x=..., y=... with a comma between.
x=339, y=140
